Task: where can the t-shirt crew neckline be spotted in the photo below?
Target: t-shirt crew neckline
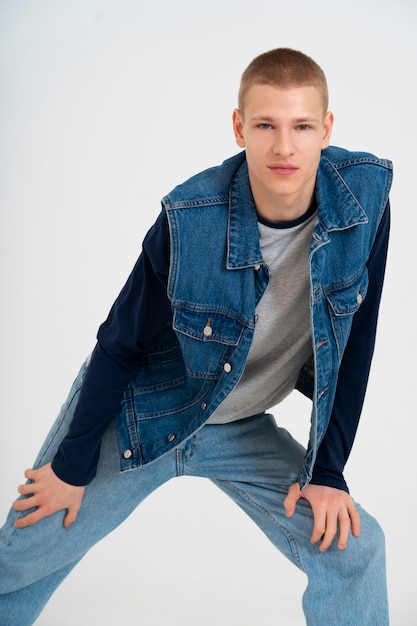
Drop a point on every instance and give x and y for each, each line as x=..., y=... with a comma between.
x=291, y=223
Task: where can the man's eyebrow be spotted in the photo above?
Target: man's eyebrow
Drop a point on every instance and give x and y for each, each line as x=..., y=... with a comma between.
x=265, y=118
x=298, y=120
x=302, y=120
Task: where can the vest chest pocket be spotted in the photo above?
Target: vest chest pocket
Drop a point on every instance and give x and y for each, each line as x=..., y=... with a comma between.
x=207, y=338
x=344, y=300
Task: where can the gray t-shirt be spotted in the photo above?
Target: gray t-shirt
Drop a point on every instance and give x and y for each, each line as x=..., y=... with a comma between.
x=282, y=338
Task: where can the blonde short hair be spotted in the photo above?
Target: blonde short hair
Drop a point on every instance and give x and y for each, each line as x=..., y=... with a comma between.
x=283, y=68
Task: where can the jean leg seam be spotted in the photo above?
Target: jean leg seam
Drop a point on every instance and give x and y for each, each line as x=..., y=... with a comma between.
x=291, y=540
x=179, y=462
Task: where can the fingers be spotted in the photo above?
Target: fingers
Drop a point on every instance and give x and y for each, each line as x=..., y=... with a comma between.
x=344, y=530
x=28, y=501
x=23, y=505
x=328, y=523
x=30, y=474
x=349, y=521
x=325, y=530
x=326, y=526
x=71, y=516
x=355, y=520
x=46, y=495
x=28, y=520
x=27, y=489
x=290, y=501
x=33, y=501
x=334, y=514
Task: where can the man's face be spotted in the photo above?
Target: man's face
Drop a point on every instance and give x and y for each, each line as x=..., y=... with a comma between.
x=283, y=132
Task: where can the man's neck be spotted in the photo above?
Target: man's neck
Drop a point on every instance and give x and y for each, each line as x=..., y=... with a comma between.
x=284, y=211
x=283, y=208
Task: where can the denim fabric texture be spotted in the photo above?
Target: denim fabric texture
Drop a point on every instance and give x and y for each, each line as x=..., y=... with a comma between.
x=159, y=430
x=252, y=461
x=217, y=276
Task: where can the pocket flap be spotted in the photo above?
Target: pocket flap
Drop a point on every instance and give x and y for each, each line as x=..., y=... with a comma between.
x=345, y=298
x=208, y=325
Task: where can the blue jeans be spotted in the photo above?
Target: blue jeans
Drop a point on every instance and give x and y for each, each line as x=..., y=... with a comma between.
x=254, y=462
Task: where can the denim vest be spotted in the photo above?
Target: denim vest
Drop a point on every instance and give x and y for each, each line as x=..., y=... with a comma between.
x=216, y=279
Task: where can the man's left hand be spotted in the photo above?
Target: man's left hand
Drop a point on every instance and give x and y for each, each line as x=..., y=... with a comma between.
x=332, y=508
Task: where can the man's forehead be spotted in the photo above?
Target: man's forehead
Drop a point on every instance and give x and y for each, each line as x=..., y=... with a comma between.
x=268, y=100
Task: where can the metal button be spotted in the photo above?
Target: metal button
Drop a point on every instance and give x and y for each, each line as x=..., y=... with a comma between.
x=359, y=298
x=257, y=267
x=207, y=328
x=171, y=437
x=127, y=454
x=204, y=406
x=227, y=367
x=256, y=318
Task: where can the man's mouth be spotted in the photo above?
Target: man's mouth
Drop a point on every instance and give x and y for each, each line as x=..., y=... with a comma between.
x=283, y=169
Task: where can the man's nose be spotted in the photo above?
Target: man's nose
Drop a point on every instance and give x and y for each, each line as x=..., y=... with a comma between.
x=282, y=145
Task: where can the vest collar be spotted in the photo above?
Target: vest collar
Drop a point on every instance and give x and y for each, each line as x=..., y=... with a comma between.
x=337, y=209
x=243, y=249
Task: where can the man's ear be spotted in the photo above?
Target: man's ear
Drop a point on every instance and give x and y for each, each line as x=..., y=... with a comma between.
x=238, y=128
x=328, y=126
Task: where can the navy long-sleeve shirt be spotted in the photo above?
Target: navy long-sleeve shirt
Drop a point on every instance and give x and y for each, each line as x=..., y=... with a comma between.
x=139, y=313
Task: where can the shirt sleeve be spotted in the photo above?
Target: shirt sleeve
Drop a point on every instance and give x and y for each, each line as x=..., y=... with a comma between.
x=353, y=377
x=141, y=310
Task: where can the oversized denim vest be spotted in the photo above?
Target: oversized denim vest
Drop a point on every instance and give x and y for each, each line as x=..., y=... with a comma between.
x=216, y=279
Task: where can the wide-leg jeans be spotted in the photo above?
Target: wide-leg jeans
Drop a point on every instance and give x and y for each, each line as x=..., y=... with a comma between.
x=254, y=462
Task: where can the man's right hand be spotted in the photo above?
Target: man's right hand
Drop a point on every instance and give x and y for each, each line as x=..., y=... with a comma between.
x=49, y=494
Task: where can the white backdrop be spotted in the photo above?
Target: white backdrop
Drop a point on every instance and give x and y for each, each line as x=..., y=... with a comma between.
x=104, y=106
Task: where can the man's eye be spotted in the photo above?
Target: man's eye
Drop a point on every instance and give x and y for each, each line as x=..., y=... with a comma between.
x=303, y=127
x=264, y=125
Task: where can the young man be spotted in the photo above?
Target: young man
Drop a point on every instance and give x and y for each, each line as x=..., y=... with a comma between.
x=259, y=276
